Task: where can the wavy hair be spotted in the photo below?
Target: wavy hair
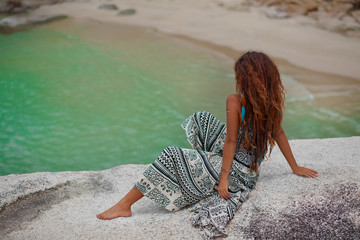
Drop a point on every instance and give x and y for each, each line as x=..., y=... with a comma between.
x=259, y=87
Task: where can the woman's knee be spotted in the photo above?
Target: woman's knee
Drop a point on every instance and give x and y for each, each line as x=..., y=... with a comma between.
x=170, y=150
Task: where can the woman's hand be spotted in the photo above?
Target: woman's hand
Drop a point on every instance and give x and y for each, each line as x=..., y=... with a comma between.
x=307, y=172
x=223, y=189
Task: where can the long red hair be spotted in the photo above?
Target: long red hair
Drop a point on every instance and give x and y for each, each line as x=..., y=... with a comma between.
x=259, y=86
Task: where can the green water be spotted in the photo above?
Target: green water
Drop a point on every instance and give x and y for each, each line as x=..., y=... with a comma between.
x=74, y=100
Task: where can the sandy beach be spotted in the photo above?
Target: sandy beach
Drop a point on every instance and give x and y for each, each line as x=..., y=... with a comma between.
x=294, y=40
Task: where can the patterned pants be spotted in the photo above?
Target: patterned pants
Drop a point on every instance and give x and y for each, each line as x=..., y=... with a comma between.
x=180, y=177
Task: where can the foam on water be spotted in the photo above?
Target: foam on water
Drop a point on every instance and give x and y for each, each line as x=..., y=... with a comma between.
x=295, y=91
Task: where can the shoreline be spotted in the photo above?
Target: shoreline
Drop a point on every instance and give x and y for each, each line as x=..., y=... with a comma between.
x=318, y=83
x=304, y=46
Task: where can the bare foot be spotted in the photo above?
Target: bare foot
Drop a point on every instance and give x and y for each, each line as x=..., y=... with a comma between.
x=114, y=212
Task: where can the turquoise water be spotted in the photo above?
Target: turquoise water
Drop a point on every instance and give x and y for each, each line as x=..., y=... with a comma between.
x=81, y=96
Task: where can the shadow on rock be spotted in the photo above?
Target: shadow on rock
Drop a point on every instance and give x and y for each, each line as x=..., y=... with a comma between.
x=334, y=214
x=31, y=206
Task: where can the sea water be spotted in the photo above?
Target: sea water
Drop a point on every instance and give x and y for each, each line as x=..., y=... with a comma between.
x=84, y=95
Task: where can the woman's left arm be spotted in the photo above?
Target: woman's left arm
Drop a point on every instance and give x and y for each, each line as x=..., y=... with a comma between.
x=284, y=146
x=232, y=123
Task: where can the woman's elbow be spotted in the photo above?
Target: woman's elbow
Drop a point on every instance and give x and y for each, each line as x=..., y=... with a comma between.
x=278, y=134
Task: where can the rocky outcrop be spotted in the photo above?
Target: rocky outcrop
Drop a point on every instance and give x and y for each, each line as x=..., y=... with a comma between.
x=108, y=6
x=281, y=9
x=20, y=17
x=335, y=15
x=23, y=21
x=18, y=14
x=129, y=11
x=336, y=8
x=21, y=6
x=63, y=205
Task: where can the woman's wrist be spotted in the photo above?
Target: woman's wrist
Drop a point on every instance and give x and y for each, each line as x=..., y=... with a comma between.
x=224, y=174
x=294, y=168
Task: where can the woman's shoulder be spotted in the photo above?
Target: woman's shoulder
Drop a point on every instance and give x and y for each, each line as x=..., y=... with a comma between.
x=233, y=98
x=233, y=101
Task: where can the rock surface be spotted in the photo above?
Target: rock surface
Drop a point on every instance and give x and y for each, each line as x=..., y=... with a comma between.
x=63, y=205
x=21, y=6
x=334, y=15
x=23, y=21
x=108, y=6
x=129, y=11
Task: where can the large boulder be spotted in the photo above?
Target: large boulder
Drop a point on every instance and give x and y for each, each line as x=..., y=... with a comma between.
x=287, y=8
x=356, y=15
x=23, y=21
x=129, y=11
x=108, y=6
x=63, y=205
x=21, y=6
x=334, y=15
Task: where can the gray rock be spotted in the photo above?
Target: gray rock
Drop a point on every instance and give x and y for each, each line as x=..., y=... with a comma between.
x=129, y=11
x=340, y=10
x=281, y=9
x=276, y=12
x=63, y=205
x=21, y=6
x=3, y=4
x=19, y=22
x=233, y=5
x=343, y=26
x=108, y=6
x=14, y=21
x=334, y=15
x=356, y=15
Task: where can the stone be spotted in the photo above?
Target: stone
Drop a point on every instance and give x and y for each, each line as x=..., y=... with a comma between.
x=19, y=22
x=346, y=1
x=340, y=16
x=21, y=6
x=356, y=15
x=108, y=6
x=284, y=9
x=318, y=15
x=303, y=6
x=63, y=205
x=272, y=2
x=234, y=5
x=337, y=25
x=340, y=10
x=277, y=12
x=129, y=11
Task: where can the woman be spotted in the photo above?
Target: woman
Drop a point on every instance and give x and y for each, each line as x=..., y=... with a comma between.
x=217, y=175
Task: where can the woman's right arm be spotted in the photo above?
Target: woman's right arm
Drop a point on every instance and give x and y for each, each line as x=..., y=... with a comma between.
x=284, y=146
